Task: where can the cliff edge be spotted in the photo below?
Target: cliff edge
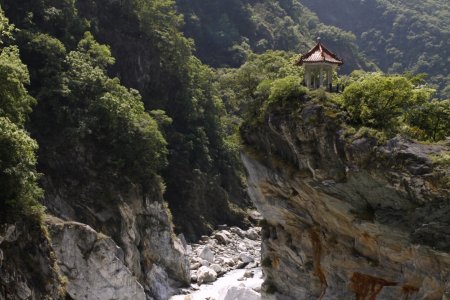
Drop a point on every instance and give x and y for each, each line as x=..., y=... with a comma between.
x=348, y=217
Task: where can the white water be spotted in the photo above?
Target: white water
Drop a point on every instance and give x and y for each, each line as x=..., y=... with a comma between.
x=220, y=286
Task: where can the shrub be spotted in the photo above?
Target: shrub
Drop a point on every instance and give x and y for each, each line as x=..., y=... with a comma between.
x=283, y=93
x=377, y=101
x=430, y=120
x=18, y=177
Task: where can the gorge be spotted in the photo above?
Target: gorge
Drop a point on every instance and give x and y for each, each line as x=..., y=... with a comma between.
x=139, y=137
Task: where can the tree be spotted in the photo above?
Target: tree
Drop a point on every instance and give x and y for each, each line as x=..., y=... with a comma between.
x=101, y=111
x=15, y=102
x=378, y=101
x=430, y=120
x=18, y=177
x=19, y=191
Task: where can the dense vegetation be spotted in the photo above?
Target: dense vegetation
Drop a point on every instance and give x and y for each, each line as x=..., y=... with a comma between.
x=226, y=32
x=398, y=35
x=18, y=176
x=372, y=103
x=163, y=120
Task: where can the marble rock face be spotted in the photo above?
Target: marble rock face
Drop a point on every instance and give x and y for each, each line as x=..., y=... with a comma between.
x=92, y=263
x=347, y=219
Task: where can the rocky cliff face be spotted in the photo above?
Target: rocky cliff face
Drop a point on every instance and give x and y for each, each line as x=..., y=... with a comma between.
x=121, y=244
x=348, y=218
x=28, y=268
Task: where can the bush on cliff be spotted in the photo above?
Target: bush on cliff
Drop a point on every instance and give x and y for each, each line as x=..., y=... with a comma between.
x=18, y=177
x=281, y=93
x=378, y=101
x=396, y=104
x=430, y=120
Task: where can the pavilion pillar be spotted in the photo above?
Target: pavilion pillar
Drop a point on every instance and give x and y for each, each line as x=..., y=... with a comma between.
x=308, y=77
x=329, y=76
x=321, y=77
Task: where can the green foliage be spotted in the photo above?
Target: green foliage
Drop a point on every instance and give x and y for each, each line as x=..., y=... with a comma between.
x=442, y=158
x=430, y=120
x=19, y=192
x=243, y=90
x=394, y=104
x=100, y=110
x=99, y=128
x=398, y=35
x=6, y=29
x=378, y=101
x=15, y=103
x=18, y=176
x=283, y=93
x=227, y=32
x=99, y=55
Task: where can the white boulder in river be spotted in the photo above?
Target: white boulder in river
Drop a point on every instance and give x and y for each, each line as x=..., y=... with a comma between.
x=205, y=274
x=238, y=293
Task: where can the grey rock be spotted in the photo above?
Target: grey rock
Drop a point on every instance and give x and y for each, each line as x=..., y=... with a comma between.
x=217, y=268
x=252, y=234
x=161, y=285
x=23, y=291
x=195, y=266
x=206, y=253
x=246, y=257
x=205, y=275
x=8, y=233
x=238, y=231
x=92, y=263
x=182, y=239
x=239, y=293
x=139, y=223
x=222, y=238
x=383, y=215
x=205, y=263
x=222, y=227
x=249, y=274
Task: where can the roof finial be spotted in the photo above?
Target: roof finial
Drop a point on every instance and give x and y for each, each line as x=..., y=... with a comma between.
x=318, y=39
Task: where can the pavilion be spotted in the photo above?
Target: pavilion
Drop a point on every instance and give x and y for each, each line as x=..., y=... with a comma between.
x=319, y=63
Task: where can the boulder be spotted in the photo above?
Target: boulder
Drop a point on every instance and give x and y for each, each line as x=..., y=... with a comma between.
x=222, y=227
x=195, y=266
x=245, y=257
x=238, y=231
x=238, y=293
x=222, y=238
x=205, y=275
x=206, y=253
x=252, y=234
x=217, y=268
x=204, y=262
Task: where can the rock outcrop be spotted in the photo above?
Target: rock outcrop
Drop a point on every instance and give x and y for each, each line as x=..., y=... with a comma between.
x=28, y=268
x=92, y=263
x=150, y=257
x=347, y=217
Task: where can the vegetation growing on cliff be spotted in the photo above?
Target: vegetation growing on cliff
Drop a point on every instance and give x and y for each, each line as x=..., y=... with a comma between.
x=373, y=103
x=19, y=192
x=398, y=35
x=396, y=104
x=94, y=127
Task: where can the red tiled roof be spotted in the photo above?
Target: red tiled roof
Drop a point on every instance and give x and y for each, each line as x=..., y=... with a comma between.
x=320, y=54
